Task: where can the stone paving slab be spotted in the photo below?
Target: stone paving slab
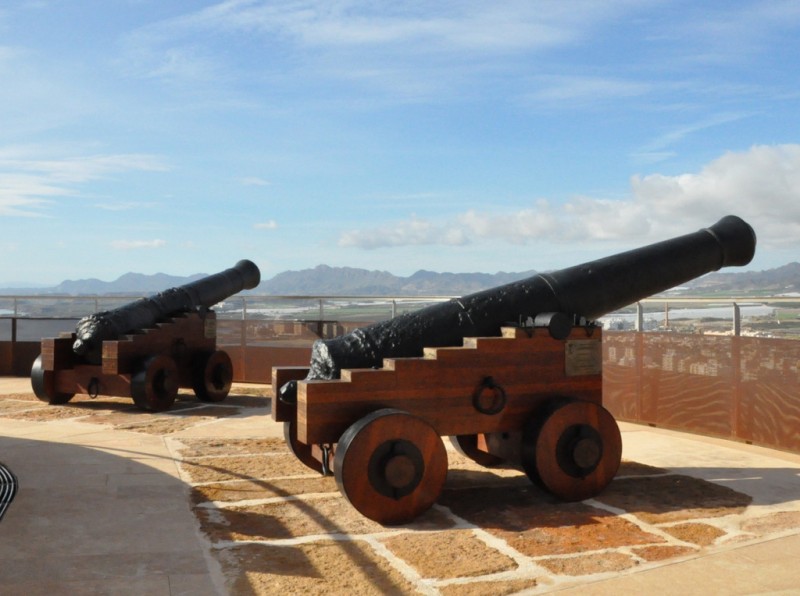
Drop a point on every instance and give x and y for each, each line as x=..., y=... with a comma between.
x=207, y=499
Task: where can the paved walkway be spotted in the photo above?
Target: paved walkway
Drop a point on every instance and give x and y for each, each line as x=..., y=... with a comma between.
x=205, y=500
x=100, y=510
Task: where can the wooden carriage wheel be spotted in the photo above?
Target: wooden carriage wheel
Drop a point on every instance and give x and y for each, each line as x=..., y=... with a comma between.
x=212, y=376
x=391, y=466
x=300, y=450
x=573, y=450
x=42, y=384
x=154, y=386
x=467, y=445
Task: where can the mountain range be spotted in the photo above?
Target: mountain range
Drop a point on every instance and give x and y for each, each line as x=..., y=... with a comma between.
x=324, y=280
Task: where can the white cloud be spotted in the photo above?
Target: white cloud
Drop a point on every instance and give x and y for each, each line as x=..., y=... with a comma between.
x=31, y=177
x=137, y=244
x=266, y=225
x=761, y=185
x=556, y=90
x=125, y=206
x=456, y=26
x=82, y=168
x=26, y=195
x=415, y=231
x=658, y=148
x=410, y=49
x=20, y=206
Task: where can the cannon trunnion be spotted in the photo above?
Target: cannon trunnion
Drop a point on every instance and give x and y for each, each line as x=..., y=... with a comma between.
x=147, y=349
x=372, y=405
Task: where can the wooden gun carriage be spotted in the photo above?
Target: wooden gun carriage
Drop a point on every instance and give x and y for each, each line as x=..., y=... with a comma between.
x=147, y=349
x=498, y=397
x=372, y=406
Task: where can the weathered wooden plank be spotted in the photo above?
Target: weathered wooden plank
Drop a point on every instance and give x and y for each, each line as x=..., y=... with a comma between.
x=442, y=387
x=57, y=353
x=282, y=412
x=177, y=336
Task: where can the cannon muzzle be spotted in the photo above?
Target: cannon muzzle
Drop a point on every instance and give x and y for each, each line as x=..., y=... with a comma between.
x=589, y=290
x=599, y=287
x=91, y=331
x=736, y=239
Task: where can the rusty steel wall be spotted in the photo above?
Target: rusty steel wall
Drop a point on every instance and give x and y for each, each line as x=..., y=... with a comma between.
x=256, y=346
x=741, y=388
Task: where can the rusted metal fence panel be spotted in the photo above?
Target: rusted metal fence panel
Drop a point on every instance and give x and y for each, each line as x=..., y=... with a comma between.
x=741, y=388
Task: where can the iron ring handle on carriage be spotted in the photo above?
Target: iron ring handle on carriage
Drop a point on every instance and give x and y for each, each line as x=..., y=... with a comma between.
x=497, y=404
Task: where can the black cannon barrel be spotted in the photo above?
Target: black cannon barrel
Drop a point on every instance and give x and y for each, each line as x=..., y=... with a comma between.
x=91, y=331
x=589, y=290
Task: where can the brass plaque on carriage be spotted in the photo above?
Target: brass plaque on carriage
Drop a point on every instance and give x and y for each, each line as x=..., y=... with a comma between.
x=583, y=357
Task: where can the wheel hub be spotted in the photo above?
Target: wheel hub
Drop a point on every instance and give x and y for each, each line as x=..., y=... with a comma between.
x=164, y=383
x=579, y=450
x=219, y=377
x=586, y=453
x=399, y=471
x=396, y=468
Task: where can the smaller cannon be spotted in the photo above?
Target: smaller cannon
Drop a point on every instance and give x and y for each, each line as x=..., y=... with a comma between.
x=513, y=374
x=146, y=349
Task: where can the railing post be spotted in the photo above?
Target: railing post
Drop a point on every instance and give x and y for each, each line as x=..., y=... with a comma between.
x=639, y=317
x=12, y=370
x=737, y=320
x=321, y=312
x=243, y=339
x=394, y=308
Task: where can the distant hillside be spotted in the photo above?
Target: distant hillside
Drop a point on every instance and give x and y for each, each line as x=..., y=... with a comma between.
x=325, y=280
x=332, y=281
x=131, y=283
x=456, y=284
x=321, y=280
x=781, y=280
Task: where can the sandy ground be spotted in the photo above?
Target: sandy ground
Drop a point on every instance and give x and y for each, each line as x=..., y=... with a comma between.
x=273, y=525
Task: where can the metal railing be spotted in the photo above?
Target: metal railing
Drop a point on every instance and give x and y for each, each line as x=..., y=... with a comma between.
x=735, y=386
x=367, y=309
x=763, y=308
x=78, y=306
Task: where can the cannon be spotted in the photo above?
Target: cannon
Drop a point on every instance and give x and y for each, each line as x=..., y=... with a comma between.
x=146, y=349
x=512, y=374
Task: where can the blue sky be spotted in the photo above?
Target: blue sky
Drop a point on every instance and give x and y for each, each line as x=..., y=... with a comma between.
x=180, y=136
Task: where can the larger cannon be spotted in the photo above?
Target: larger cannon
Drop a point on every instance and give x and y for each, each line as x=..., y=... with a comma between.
x=512, y=373
x=146, y=349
